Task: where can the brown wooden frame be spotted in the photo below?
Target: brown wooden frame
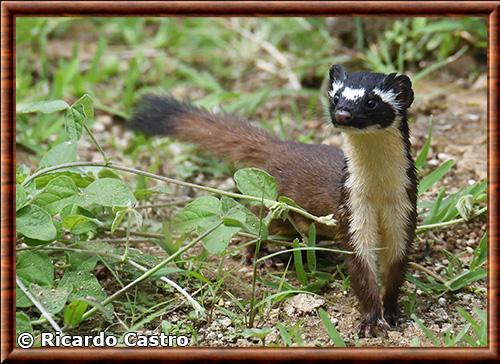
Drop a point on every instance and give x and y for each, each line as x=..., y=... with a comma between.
x=11, y=9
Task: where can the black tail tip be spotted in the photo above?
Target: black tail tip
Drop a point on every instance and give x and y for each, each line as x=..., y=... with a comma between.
x=156, y=115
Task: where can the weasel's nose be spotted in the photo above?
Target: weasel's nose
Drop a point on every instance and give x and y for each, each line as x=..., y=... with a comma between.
x=342, y=116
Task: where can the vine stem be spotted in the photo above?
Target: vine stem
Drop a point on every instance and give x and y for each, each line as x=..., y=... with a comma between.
x=150, y=272
x=327, y=220
x=423, y=228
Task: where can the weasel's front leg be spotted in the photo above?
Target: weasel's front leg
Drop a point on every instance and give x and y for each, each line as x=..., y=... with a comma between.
x=363, y=238
x=396, y=236
x=364, y=283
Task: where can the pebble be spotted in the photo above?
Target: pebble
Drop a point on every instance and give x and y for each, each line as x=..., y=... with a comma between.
x=442, y=301
x=225, y=321
x=469, y=250
x=467, y=298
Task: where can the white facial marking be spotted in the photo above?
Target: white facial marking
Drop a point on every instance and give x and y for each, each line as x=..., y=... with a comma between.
x=353, y=93
x=389, y=97
x=336, y=85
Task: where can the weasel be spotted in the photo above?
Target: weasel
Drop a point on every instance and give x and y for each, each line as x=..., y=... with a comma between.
x=370, y=187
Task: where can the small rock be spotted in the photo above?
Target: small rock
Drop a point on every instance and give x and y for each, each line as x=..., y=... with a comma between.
x=469, y=250
x=447, y=327
x=225, y=322
x=302, y=303
x=442, y=301
x=467, y=297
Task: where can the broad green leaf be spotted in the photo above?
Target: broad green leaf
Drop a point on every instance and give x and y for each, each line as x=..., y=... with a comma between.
x=59, y=154
x=73, y=313
x=59, y=192
x=82, y=261
x=255, y=182
x=429, y=180
x=23, y=323
x=108, y=173
x=231, y=209
x=333, y=334
x=217, y=240
x=81, y=179
x=83, y=285
x=34, y=222
x=80, y=224
x=46, y=107
x=21, y=197
x=53, y=300
x=87, y=106
x=35, y=267
x=73, y=124
x=205, y=210
x=108, y=192
x=22, y=172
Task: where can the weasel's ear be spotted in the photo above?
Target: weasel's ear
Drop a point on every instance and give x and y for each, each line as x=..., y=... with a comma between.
x=401, y=85
x=337, y=74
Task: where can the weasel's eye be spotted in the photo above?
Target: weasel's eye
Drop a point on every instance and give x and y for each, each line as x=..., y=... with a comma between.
x=336, y=99
x=371, y=103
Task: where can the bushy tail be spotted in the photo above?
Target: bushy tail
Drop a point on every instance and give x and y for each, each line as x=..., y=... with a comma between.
x=222, y=134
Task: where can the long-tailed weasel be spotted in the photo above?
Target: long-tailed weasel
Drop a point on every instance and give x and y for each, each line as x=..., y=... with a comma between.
x=370, y=187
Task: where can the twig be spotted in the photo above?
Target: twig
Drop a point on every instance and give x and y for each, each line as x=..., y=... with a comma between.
x=38, y=305
x=165, y=204
x=423, y=228
x=428, y=271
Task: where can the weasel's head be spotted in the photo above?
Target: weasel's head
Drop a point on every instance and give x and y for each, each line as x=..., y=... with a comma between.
x=366, y=101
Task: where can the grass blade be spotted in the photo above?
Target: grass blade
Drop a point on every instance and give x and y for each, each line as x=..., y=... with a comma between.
x=333, y=334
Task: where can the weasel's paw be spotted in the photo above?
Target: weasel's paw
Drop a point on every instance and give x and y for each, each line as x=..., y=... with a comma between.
x=373, y=327
x=391, y=317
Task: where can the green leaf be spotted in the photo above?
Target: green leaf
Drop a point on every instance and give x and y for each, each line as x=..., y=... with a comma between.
x=23, y=323
x=73, y=313
x=422, y=156
x=466, y=278
x=311, y=254
x=108, y=192
x=429, y=180
x=299, y=266
x=22, y=172
x=435, y=341
x=82, y=285
x=34, y=222
x=46, y=107
x=59, y=192
x=217, y=240
x=80, y=224
x=21, y=197
x=87, y=106
x=73, y=123
x=80, y=179
x=255, y=182
x=285, y=336
x=480, y=253
x=35, y=267
x=59, y=154
x=53, y=300
x=205, y=210
x=333, y=334
x=82, y=261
